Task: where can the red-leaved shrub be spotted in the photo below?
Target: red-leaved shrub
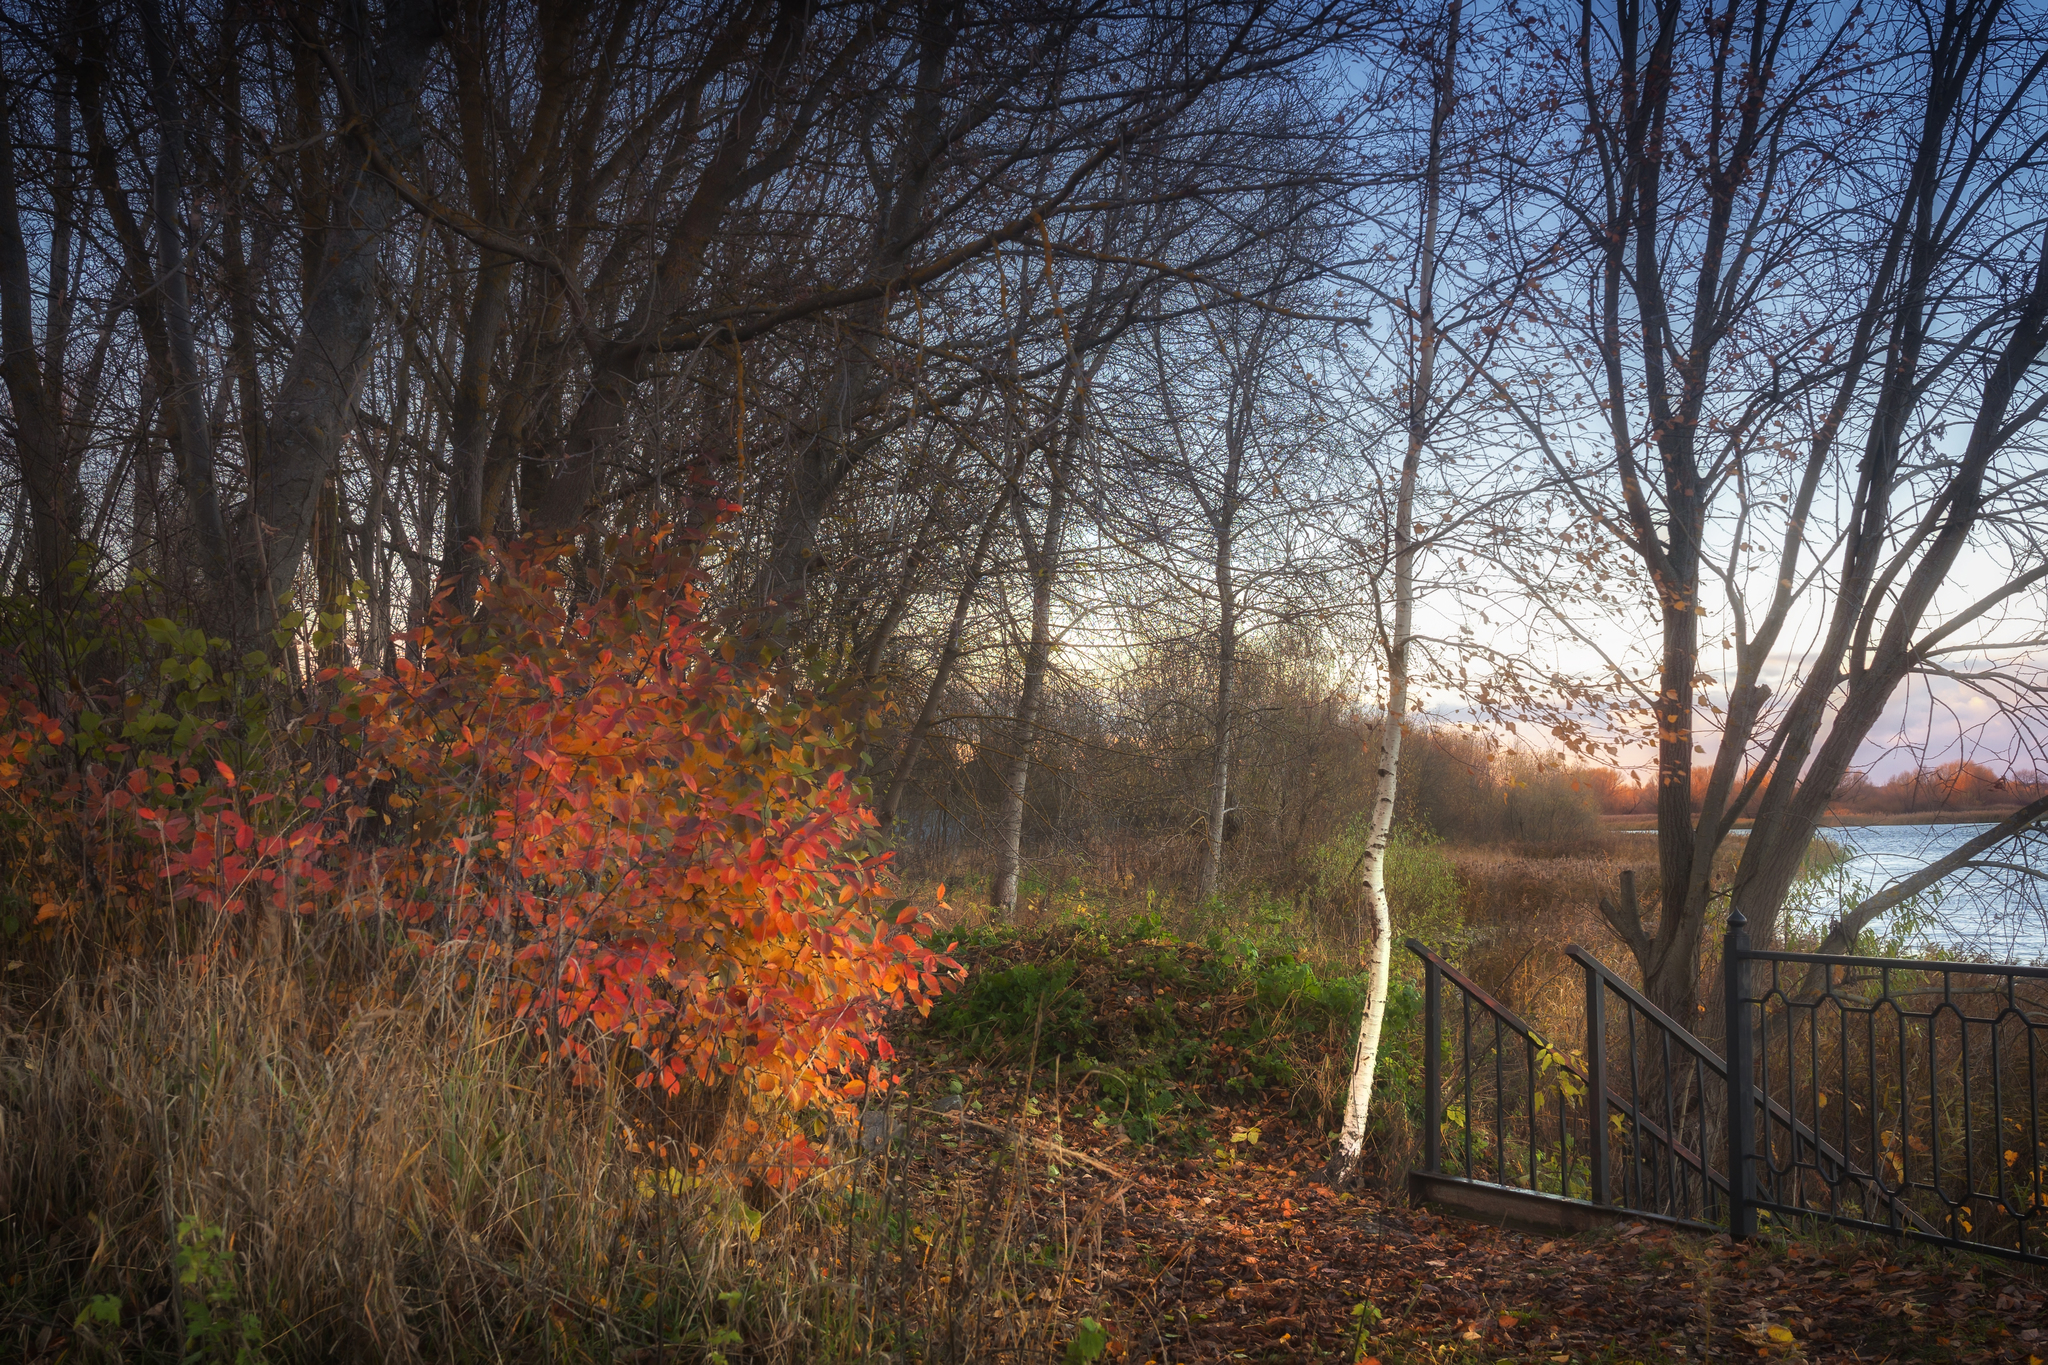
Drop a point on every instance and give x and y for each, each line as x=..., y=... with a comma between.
x=638, y=833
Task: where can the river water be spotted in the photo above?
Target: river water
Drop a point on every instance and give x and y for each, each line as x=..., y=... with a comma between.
x=1989, y=914
x=1996, y=914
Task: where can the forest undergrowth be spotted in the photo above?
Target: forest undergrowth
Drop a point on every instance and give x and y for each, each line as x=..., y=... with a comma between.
x=553, y=999
x=1220, y=1242
x=1106, y=1145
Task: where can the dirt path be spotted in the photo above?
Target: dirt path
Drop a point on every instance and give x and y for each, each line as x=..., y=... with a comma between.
x=1244, y=1256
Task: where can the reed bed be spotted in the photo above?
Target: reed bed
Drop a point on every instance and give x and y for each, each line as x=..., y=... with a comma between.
x=226, y=1164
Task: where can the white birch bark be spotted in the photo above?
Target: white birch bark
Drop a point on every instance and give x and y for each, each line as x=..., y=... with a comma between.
x=1226, y=684
x=1376, y=916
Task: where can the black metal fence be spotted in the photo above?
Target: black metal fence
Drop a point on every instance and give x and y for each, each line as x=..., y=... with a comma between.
x=1662, y=1091
x=1899, y=1096
x=1508, y=1099
x=1514, y=1109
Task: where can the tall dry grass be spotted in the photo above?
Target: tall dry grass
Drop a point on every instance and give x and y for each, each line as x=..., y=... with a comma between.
x=1524, y=904
x=384, y=1173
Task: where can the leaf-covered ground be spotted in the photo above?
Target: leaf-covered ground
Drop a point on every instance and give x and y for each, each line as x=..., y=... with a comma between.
x=1199, y=1229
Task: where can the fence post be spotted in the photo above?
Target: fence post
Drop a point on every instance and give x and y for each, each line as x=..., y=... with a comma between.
x=1741, y=1081
x=1432, y=1067
x=1596, y=1072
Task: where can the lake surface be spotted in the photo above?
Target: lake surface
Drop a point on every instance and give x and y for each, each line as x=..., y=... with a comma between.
x=1997, y=914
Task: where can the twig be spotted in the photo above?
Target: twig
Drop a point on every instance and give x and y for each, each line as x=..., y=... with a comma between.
x=1056, y=1148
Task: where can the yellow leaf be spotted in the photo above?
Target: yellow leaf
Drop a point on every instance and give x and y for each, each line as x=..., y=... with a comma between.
x=1781, y=1335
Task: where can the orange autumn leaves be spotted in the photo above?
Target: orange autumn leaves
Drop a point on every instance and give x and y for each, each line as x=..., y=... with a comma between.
x=647, y=833
x=635, y=832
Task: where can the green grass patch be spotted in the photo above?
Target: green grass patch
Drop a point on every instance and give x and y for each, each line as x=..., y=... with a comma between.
x=1156, y=1029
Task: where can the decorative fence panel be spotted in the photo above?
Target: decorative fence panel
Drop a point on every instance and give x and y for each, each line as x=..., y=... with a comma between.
x=1885, y=1094
x=1898, y=1096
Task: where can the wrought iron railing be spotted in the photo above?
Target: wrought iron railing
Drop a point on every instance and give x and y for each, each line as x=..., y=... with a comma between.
x=1512, y=1109
x=1508, y=1098
x=1519, y=1108
x=1899, y=1096
x=1663, y=1091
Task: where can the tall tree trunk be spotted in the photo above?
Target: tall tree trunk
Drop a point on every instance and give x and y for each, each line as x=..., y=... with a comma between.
x=617, y=370
x=1226, y=696
x=498, y=197
x=185, y=398
x=1377, y=920
x=1042, y=558
x=834, y=447
x=237, y=279
x=37, y=421
x=315, y=404
x=956, y=634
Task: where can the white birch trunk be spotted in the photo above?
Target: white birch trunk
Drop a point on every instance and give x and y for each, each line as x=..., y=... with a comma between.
x=1376, y=916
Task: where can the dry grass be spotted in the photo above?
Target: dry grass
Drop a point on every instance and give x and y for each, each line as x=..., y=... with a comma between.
x=1524, y=904
x=395, y=1179
x=349, y=1151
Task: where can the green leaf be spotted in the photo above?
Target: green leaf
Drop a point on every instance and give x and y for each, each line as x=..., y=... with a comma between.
x=1091, y=1339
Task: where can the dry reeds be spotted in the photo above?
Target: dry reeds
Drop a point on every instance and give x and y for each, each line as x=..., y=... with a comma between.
x=1523, y=904
x=200, y=1155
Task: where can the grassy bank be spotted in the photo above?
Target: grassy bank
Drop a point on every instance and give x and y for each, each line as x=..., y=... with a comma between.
x=1105, y=1146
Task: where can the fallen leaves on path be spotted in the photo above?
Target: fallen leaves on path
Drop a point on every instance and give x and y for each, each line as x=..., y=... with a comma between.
x=1215, y=1240
x=1218, y=1255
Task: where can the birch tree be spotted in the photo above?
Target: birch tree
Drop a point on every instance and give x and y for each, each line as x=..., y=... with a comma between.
x=1395, y=609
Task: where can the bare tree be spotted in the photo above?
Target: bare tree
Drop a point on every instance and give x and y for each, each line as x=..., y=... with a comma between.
x=1769, y=407
x=33, y=370
x=1421, y=325
x=1246, y=354
x=379, y=79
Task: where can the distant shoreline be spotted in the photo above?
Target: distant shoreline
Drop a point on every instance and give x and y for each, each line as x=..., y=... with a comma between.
x=1642, y=824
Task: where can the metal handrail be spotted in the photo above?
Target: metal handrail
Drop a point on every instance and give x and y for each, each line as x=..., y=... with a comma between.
x=1720, y=1068
x=1516, y=1024
x=1593, y=1076
x=1899, y=963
